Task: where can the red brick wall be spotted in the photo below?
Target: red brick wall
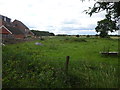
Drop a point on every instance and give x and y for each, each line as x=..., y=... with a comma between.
x=4, y=31
x=19, y=25
x=19, y=36
x=23, y=27
x=7, y=36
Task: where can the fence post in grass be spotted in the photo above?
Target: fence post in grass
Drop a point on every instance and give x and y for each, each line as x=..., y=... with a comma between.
x=66, y=64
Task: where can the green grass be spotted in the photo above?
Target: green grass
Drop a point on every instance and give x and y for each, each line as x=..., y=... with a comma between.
x=30, y=66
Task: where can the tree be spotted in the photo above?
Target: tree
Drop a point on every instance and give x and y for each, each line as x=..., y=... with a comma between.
x=112, y=8
x=104, y=26
x=110, y=23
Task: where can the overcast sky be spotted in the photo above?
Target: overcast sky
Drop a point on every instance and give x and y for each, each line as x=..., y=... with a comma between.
x=57, y=16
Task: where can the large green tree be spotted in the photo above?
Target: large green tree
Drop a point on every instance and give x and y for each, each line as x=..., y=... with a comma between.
x=104, y=26
x=110, y=23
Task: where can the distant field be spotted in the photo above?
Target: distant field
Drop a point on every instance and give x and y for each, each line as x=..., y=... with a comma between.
x=43, y=66
x=113, y=37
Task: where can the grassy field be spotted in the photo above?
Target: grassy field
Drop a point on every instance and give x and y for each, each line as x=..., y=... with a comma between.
x=43, y=66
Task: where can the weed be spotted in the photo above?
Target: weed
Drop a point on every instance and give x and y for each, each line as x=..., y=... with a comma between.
x=29, y=66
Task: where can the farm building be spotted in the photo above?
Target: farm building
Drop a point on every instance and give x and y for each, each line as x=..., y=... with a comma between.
x=15, y=29
x=18, y=24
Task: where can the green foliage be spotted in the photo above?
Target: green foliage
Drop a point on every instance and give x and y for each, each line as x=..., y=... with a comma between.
x=26, y=65
x=104, y=34
x=77, y=35
x=104, y=26
x=42, y=33
x=110, y=22
x=62, y=35
x=88, y=36
x=112, y=8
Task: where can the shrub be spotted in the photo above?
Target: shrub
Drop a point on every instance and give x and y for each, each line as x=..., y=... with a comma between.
x=77, y=35
x=88, y=36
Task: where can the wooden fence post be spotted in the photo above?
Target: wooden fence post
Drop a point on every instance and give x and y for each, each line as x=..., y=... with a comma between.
x=67, y=62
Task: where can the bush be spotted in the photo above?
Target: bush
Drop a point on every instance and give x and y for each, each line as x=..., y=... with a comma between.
x=77, y=35
x=88, y=36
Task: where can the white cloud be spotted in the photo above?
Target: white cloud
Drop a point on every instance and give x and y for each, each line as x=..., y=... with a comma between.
x=52, y=15
x=115, y=33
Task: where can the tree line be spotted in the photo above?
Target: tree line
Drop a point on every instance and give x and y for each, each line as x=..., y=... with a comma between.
x=42, y=33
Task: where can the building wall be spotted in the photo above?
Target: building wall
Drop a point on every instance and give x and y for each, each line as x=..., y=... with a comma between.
x=4, y=31
x=7, y=36
x=19, y=36
x=0, y=22
x=20, y=25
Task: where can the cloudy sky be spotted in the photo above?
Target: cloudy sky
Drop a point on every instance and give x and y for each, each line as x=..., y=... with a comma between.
x=57, y=16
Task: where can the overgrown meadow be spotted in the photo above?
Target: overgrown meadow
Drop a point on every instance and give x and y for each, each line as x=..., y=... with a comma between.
x=26, y=65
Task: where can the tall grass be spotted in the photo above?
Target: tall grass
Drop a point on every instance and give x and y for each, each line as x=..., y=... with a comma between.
x=30, y=66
